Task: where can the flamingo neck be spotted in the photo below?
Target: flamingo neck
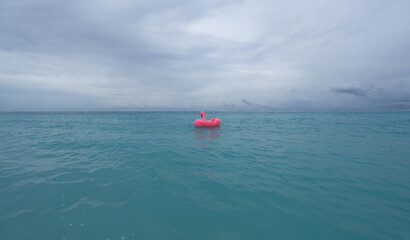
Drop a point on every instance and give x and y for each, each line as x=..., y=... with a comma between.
x=203, y=117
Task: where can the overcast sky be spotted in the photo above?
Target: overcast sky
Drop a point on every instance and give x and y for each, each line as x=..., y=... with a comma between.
x=208, y=54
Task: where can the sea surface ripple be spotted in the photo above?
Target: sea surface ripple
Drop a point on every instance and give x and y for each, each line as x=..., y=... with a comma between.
x=153, y=175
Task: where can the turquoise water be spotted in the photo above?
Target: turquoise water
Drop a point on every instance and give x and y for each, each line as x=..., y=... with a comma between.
x=153, y=175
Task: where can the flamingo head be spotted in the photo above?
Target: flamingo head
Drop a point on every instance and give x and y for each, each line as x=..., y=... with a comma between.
x=202, y=113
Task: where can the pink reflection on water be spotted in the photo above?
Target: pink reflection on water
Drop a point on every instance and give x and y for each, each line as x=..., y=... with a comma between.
x=207, y=134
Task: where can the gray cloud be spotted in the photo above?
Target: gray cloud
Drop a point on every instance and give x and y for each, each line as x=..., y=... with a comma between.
x=351, y=90
x=246, y=102
x=203, y=54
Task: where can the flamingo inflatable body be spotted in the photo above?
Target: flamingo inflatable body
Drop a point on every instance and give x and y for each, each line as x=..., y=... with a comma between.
x=207, y=123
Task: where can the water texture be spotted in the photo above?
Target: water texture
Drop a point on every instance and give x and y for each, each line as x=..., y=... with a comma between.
x=153, y=175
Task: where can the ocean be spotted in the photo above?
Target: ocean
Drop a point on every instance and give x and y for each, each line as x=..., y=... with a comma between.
x=153, y=175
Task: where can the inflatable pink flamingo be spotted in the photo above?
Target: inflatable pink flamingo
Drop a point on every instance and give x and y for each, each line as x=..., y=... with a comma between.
x=207, y=123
